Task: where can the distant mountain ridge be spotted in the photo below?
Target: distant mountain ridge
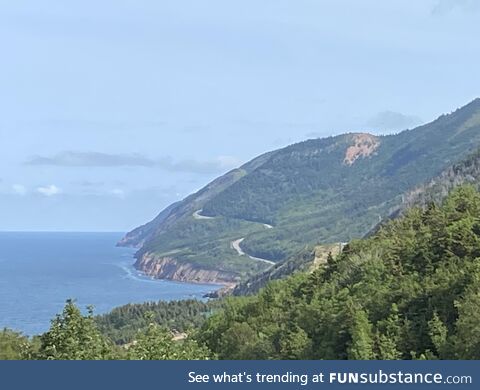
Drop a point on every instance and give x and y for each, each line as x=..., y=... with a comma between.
x=317, y=191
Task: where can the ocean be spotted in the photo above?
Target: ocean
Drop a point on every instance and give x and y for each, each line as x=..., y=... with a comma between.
x=39, y=271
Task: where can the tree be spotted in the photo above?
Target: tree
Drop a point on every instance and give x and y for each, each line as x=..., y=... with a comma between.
x=467, y=338
x=438, y=334
x=73, y=336
x=361, y=346
x=157, y=343
x=12, y=345
x=295, y=344
x=239, y=342
x=388, y=336
x=387, y=349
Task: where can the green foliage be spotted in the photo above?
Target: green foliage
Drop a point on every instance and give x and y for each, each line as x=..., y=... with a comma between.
x=206, y=244
x=122, y=324
x=13, y=345
x=466, y=339
x=438, y=333
x=156, y=343
x=294, y=343
x=361, y=345
x=73, y=336
x=302, y=261
x=388, y=336
x=411, y=291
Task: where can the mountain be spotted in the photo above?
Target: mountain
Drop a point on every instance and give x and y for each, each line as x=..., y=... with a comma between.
x=423, y=196
x=410, y=291
x=326, y=190
x=436, y=190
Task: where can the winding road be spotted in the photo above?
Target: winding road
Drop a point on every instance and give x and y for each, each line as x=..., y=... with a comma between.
x=197, y=215
x=236, y=243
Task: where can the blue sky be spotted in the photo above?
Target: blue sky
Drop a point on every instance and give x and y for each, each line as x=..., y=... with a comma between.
x=111, y=110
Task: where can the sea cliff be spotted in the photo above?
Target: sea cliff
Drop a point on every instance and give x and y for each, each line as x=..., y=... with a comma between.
x=165, y=267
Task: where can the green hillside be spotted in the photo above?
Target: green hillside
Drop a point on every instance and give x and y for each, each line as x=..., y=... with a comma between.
x=434, y=191
x=318, y=191
x=410, y=291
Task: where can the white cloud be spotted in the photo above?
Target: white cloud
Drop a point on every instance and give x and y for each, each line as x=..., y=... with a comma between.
x=19, y=189
x=92, y=159
x=96, y=159
x=49, y=190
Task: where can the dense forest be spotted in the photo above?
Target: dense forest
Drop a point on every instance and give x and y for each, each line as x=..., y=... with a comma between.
x=410, y=291
x=122, y=323
x=436, y=190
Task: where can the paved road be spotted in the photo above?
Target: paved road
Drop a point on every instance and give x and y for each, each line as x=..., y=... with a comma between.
x=236, y=245
x=197, y=215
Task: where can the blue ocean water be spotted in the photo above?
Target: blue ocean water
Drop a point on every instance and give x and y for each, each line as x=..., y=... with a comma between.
x=39, y=271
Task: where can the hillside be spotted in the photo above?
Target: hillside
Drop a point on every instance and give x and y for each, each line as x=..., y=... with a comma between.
x=318, y=191
x=434, y=191
x=411, y=291
x=307, y=260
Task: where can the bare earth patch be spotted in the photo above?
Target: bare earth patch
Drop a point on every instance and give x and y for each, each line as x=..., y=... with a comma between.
x=363, y=146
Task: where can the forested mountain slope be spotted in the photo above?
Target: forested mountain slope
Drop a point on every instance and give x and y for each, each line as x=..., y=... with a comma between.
x=410, y=291
x=434, y=191
x=318, y=191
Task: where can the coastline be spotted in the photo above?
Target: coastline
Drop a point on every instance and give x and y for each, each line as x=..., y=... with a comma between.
x=169, y=268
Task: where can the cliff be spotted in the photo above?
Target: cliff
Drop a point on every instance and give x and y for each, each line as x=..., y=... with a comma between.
x=172, y=269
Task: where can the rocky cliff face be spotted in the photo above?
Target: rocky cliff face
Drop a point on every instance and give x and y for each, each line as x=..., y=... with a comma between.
x=171, y=269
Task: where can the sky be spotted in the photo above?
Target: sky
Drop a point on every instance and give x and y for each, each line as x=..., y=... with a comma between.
x=111, y=110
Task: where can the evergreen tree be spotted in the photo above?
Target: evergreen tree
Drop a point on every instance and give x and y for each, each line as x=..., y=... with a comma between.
x=361, y=345
x=438, y=334
x=389, y=335
x=294, y=344
x=467, y=339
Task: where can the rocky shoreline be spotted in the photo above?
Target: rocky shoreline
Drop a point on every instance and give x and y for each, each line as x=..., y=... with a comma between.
x=165, y=267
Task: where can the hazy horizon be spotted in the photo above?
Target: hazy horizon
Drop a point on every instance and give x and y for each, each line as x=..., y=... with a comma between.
x=111, y=111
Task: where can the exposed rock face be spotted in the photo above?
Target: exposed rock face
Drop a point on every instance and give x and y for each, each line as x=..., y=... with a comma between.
x=172, y=269
x=363, y=146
